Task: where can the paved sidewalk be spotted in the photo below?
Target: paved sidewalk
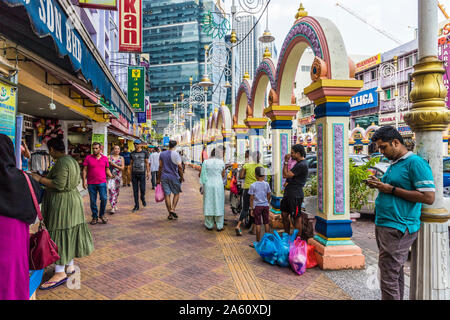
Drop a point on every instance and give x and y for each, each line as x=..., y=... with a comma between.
x=143, y=255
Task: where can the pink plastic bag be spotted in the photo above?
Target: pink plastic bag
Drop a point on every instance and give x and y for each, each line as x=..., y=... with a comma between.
x=159, y=193
x=298, y=256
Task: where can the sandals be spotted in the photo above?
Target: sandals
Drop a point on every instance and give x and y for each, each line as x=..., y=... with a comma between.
x=238, y=232
x=54, y=284
x=174, y=215
x=251, y=245
x=170, y=216
x=104, y=219
x=94, y=221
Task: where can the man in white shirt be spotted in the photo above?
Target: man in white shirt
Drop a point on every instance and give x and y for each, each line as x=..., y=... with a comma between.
x=154, y=165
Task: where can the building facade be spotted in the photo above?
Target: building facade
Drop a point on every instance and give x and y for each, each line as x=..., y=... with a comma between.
x=175, y=41
x=385, y=95
x=247, y=51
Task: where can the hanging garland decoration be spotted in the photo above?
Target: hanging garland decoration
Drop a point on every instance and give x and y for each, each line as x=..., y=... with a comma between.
x=215, y=27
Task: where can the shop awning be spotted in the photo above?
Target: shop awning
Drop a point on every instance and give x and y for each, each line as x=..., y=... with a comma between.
x=61, y=39
x=121, y=134
x=93, y=97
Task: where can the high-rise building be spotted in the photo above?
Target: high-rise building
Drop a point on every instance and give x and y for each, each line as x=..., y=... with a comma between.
x=174, y=39
x=248, y=33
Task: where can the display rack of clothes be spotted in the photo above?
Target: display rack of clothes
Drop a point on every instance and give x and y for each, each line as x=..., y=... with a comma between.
x=40, y=162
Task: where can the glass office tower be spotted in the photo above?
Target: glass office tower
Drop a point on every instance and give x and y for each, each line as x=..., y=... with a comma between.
x=174, y=38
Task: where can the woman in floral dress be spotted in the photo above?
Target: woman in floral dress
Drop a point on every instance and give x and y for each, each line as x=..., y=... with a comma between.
x=117, y=165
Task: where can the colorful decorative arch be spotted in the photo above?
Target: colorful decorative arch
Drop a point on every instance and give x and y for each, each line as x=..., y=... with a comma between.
x=242, y=102
x=322, y=36
x=265, y=74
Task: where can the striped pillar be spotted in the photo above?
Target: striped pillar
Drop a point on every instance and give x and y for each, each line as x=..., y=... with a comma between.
x=255, y=134
x=334, y=248
x=281, y=124
x=241, y=142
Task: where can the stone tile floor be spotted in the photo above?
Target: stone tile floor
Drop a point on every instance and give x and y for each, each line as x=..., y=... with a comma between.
x=145, y=256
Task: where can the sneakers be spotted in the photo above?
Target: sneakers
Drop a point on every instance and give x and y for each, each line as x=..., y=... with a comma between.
x=144, y=204
x=135, y=209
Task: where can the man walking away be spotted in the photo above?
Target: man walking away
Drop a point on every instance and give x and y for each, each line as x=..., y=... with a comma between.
x=140, y=171
x=96, y=168
x=405, y=186
x=154, y=166
x=291, y=204
x=126, y=174
x=170, y=175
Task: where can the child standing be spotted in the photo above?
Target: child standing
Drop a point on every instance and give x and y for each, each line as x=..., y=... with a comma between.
x=260, y=195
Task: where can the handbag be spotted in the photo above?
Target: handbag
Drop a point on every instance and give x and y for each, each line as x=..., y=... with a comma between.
x=43, y=251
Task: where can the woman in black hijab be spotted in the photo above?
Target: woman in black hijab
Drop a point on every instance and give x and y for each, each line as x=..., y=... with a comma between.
x=17, y=212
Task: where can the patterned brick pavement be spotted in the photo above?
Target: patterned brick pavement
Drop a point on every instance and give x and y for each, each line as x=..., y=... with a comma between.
x=145, y=256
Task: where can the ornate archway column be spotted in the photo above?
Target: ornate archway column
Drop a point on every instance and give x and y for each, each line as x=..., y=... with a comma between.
x=255, y=134
x=334, y=248
x=227, y=145
x=281, y=124
x=241, y=142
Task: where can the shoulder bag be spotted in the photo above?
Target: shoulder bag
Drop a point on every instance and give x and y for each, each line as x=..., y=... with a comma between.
x=43, y=251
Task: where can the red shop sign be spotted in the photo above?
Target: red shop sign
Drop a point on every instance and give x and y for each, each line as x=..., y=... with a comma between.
x=130, y=26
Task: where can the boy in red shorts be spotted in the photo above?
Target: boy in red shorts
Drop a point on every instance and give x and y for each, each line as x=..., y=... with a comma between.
x=260, y=195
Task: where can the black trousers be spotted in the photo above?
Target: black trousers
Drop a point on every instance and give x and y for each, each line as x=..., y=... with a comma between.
x=154, y=176
x=138, y=181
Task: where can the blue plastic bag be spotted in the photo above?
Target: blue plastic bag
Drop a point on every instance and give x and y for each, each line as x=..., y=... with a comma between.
x=266, y=248
x=283, y=244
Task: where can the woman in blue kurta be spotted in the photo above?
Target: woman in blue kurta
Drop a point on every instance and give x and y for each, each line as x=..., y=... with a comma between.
x=211, y=178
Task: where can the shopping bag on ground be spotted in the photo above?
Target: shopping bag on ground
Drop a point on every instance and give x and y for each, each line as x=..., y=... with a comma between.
x=266, y=248
x=283, y=246
x=311, y=260
x=298, y=256
x=159, y=193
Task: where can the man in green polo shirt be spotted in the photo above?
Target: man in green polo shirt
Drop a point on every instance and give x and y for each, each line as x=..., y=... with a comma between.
x=404, y=187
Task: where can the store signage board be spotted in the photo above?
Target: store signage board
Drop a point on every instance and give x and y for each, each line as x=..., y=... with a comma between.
x=443, y=55
x=148, y=108
x=100, y=138
x=130, y=26
x=63, y=27
x=368, y=63
x=136, y=88
x=389, y=118
x=364, y=100
x=142, y=117
x=109, y=109
x=8, y=110
x=98, y=4
x=166, y=141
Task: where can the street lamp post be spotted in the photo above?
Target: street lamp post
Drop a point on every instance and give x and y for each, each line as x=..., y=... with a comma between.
x=428, y=119
x=390, y=70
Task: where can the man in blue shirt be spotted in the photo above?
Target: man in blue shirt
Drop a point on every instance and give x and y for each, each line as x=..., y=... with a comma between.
x=126, y=174
x=404, y=187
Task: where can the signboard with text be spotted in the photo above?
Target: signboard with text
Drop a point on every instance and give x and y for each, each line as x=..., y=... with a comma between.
x=388, y=119
x=136, y=88
x=148, y=108
x=130, y=26
x=364, y=100
x=443, y=55
x=368, y=63
x=98, y=4
x=8, y=111
x=142, y=117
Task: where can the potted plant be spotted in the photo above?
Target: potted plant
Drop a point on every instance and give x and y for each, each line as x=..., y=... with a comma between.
x=359, y=190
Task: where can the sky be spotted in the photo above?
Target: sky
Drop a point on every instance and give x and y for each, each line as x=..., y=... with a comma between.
x=396, y=17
